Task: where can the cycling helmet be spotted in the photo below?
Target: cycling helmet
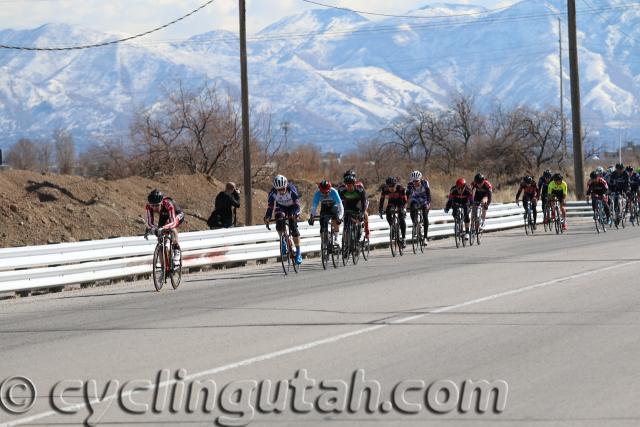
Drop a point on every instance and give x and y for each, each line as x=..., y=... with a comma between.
x=558, y=177
x=478, y=178
x=415, y=176
x=629, y=169
x=324, y=185
x=391, y=181
x=279, y=182
x=547, y=174
x=349, y=179
x=619, y=166
x=600, y=170
x=155, y=197
x=460, y=183
x=350, y=172
x=610, y=170
x=528, y=179
x=593, y=175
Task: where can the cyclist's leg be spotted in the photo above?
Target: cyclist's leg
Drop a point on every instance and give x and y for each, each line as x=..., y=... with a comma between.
x=485, y=207
x=605, y=204
x=413, y=210
x=425, y=219
x=467, y=220
x=402, y=215
x=388, y=214
x=366, y=224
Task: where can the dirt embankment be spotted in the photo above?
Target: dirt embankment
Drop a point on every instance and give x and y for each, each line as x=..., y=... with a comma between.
x=47, y=208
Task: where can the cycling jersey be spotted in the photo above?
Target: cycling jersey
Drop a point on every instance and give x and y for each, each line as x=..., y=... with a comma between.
x=542, y=187
x=554, y=189
x=332, y=198
x=482, y=190
x=289, y=201
x=619, y=181
x=634, y=181
x=421, y=193
x=458, y=198
x=351, y=199
x=530, y=190
x=396, y=196
x=597, y=186
x=171, y=215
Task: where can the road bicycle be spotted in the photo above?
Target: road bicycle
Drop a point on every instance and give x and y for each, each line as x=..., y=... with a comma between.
x=529, y=223
x=546, y=215
x=164, y=264
x=417, y=233
x=632, y=209
x=351, y=238
x=286, y=246
x=475, y=231
x=458, y=226
x=395, y=238
x=556, y=216
x=329, y=247
x=616, y=207
x=599, y=215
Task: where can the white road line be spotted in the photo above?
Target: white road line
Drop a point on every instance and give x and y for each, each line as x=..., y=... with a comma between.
x=332, y=339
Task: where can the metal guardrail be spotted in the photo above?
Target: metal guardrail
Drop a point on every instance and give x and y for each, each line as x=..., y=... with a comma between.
x=30, y=268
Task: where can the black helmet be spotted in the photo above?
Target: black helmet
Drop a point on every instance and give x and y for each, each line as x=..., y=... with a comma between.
x=528, y=179
x=593, y=175
x=391, y=181
x=478, y=178
x=547, y=174
x=558, y=177
x=629, y=169
x=155, y=197
x=350, y=172
x=349, y=179
x=619, y=166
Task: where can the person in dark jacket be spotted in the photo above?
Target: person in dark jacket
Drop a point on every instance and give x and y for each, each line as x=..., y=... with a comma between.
x=222, y=215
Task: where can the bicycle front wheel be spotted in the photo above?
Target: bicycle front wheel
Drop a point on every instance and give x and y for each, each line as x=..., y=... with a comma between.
x=456, y=232
x=324, y=249
x=158, y=267
x=285, y=260
x=176, y=274
x=392, y=240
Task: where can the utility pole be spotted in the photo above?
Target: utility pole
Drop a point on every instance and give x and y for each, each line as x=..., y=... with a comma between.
x=563, y=138
x=576, y=121
x=246, y=147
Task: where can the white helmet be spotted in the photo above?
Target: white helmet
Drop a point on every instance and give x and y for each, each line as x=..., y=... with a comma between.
x=416, y=176
x=279, y=182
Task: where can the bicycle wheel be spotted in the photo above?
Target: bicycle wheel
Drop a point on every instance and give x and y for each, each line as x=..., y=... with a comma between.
x=414, y=238
x=365, y=247
x=354, y=246
x=158, y=267
x=473, y=230
x=285, y=260
x=292, y=255
x=421, y=239
x=346, y=244
x=324, y=249
x=398, y=239
x=335, y=251
x=176, y=274
x=526, y=222
x=393, y=240
x=456, y=231
x=597, y=217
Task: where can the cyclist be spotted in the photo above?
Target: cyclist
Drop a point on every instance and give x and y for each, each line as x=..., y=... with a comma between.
x=634, y=185
x=285, y=201
x=482, y=191
x=600, y=171
x=607, y=175
x=419, y=195
x=598, y=188
x=619, y=186
x=460, y=197
x=557, y=189
x=353, y=195
x=542, y=187
x=330, y=204
x=395, y=192
x=170, y=216
x=354, y=199
x=530, y=189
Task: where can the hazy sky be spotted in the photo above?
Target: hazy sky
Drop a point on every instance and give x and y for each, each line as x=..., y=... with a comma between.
x=135, y=16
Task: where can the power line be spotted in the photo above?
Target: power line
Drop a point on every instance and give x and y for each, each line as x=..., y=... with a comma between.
x=112, y=41
x=607, y=21
x=404, y=16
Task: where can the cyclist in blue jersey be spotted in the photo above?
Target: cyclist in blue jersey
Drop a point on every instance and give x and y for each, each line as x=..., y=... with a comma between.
x=330, y=204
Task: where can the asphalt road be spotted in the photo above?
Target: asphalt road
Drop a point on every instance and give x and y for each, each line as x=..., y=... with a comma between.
x=555, y=320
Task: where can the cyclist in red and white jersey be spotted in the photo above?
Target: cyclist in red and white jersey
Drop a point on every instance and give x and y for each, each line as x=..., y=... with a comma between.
x=170, y=216
x=482, y=191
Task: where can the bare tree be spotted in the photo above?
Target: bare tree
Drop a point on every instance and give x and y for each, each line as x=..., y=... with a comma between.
x=23, y=155
x=465, y=122
x=65, y=151
x=544, y=130
x=45, y=155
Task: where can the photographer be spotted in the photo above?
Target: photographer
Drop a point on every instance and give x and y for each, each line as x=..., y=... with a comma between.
x=223, y=215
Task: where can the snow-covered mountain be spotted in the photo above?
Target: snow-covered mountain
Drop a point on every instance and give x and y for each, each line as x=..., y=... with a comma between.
x=334, y=75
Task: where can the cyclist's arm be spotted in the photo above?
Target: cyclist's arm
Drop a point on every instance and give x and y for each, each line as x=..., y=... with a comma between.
x=336, y=198
x=271, y=203
x=315, y=202
x=150, y=223
x=173, y=219
x=565, y=190
x=381, y=204
x=518, y=193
